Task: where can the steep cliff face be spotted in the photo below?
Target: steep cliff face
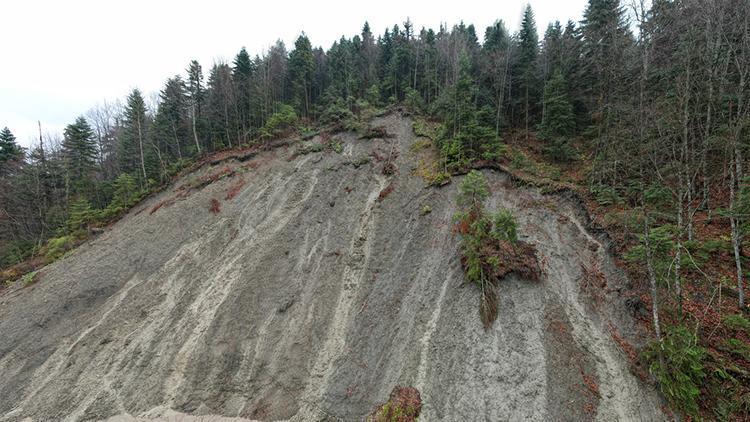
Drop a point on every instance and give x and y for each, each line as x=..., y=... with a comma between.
x=305, y=287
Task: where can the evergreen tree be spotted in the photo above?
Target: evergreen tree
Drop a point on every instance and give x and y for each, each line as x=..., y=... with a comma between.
x=195, y=98
x=171, y=122
x=133, y=140
x=606, y=39
x=552, y=53
x=10, y=151
x=526, y=71
x=558, y=119
x=220, y=104
x=495, y=77
x=242, y=73
x=368, y=57
x=79, y=155
x=301, y=68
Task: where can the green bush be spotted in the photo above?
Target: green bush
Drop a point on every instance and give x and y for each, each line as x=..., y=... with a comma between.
x=492, y=149
x=335, y=112
x=413, y=100
x=29, y=278
x=15, y=252
x=57, y=246
x=737, y=347
x=677, y=362
x=372, y=95
x=426, y=130
x=473, y=189
x=283, y=119
x=454, y=154
x=504, y=226
x=560, y=150
x=605, y=195
x=660, y=241
x=737, y=322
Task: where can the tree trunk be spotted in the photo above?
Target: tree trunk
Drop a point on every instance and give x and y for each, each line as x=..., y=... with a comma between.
x=140, y=146
x=652, y=280
x=195, y=132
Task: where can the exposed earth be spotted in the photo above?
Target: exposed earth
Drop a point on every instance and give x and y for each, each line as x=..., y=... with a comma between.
x=305, y=287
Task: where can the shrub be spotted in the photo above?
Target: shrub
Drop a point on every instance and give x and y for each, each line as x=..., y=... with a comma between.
x=426, y=130
x=29, y=278
x=560, y=150
x=404, y=405
x=453, y=154
x=660, y=240
x=677, y=362
x=57, y=246
x=737, y=322
x=372, y=95
x=283, y=119
x=413, y=100
x=493, y=150
x=15, y=252
x=737, y=347
x=504, y=226
x=605, y=195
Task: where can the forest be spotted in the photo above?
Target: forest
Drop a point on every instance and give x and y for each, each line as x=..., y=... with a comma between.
x=644, y=107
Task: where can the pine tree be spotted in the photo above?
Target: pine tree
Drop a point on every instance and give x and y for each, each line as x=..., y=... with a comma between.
x=133, y=140
x=220, y=106
x=79, y=155
x=195, y=97
x=605, y=41
x=552, y=53
x=495, y=70
x=526, y=68
x=10, y=151
x=301, y=68
x=558, y=120
x=171, y=123
x=242, y=73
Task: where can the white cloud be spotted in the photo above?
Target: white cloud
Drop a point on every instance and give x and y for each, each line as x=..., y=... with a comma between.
x=60, y=58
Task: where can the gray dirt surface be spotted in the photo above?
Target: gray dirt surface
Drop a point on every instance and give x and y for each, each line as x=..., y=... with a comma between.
x=309, y=297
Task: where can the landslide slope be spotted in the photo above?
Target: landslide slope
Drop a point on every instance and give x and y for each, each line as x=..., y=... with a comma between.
x=307, y=286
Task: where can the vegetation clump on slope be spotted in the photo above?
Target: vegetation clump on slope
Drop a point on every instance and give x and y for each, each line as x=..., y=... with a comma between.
x=404, y=405
x=490, y=248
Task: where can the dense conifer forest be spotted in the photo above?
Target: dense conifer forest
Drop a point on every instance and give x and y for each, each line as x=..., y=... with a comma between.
x=644, y=108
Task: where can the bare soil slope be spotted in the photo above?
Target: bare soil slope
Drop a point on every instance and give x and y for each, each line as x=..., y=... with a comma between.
x=305, y=287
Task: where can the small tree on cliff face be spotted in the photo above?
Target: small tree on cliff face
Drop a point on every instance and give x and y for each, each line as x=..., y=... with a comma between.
x=490, y=248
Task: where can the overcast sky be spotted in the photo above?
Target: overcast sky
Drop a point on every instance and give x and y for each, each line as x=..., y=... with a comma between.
x=59, y=58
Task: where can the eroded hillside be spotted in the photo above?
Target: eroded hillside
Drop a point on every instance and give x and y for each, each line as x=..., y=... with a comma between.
x=305, y=286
